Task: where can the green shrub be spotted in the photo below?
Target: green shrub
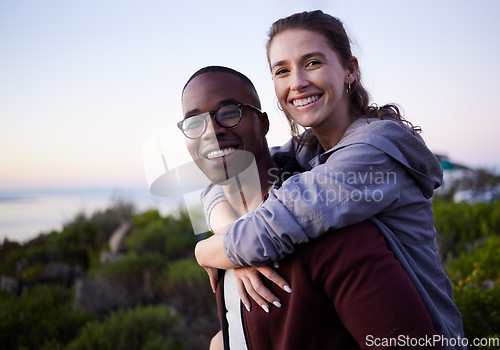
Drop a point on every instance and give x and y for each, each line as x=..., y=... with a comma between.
x=84, y=235
x=480, y=310
x=31, y=273
x=42, y=318
x=144, y=327
x=19, y=262
x=131, y=267
x=476, y=284
x=480, y=264
x=168, y=235
x=186, y=285
x=150, y=238
x=8, y=248
x=39, y=316
x=77, y=243
x=146, y=218
x=107, y=221
x=458, y=225
x=185, y=272
x=68, y=246
x=4, y=296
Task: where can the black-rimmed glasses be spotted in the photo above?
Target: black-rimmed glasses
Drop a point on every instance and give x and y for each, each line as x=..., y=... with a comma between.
x=227, y=116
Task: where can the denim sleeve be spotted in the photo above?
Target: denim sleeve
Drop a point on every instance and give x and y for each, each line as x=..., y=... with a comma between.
x=356, y=183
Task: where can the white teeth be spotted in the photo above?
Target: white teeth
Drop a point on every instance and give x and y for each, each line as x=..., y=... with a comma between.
x=305, y=101
x=220, y=154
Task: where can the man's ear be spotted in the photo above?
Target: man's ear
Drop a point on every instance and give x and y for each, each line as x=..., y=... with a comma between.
x=264, y=123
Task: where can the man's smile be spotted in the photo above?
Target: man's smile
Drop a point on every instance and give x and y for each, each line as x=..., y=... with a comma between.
x=220, y=153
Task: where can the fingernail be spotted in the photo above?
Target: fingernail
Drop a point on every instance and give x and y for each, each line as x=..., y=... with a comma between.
x=287, y=288
x=247, y=307
x=276, y=303
x=266, y=309
x=276, y=265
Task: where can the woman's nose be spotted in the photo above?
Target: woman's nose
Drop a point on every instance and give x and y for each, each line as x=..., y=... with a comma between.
x=299, y=80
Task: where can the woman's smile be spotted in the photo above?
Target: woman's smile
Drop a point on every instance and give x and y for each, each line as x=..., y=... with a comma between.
x=305, y=101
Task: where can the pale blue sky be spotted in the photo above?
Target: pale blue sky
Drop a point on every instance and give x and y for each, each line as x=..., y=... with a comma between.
x=84, y=83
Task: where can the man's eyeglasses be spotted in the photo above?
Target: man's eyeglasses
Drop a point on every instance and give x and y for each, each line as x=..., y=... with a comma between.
x=227, y=116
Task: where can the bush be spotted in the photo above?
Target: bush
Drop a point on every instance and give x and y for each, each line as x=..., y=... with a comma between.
x=20, y=263
x=146, y=218
x=40, y=316
x=31, y=273
x=144, y=327
x=170, y=236
x=131, y=267
x=186, y=273
x=69, y=246
x=85, y=235
x=186, y=287
x=107, y=221
x=458, y=225
x=7, y=248
x=76, y=244
x=151, y=238
x=476, y=284
x=480, y=264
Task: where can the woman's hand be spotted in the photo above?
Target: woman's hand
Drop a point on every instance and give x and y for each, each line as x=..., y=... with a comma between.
x=248, y=282
x=213, y=274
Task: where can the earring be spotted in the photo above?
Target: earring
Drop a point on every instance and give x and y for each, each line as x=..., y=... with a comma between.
x=348, y=87
x=279, y=106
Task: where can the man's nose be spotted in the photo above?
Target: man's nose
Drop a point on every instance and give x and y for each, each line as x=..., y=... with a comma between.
x=214, y=130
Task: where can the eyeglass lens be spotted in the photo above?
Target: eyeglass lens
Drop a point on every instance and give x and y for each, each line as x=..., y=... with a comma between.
x=226, y=116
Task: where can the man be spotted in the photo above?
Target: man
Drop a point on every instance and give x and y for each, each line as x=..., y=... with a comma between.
x=349, y=292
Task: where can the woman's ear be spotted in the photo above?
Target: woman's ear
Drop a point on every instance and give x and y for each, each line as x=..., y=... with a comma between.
x=352, y=70
x=264, y=123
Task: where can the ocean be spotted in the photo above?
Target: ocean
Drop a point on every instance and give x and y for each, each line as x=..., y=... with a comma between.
x=26, y=214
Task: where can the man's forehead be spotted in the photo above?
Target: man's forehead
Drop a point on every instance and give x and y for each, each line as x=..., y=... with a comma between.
x=213, y=89
x=205, y=80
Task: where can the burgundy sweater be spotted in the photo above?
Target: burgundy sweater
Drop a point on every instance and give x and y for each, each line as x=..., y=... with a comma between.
x=348, y=292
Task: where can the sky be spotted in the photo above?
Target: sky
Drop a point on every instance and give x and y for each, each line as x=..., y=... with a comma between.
x=83, y=84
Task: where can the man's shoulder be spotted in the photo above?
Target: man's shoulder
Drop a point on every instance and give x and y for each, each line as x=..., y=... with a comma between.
x=303, y=153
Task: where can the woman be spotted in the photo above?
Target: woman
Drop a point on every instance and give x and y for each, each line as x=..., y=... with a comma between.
x=375, y=167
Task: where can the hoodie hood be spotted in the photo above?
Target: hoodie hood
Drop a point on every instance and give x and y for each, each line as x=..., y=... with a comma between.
x=398, y=141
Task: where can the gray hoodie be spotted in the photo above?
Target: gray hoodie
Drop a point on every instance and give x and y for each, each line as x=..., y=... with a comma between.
x=380, y=170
